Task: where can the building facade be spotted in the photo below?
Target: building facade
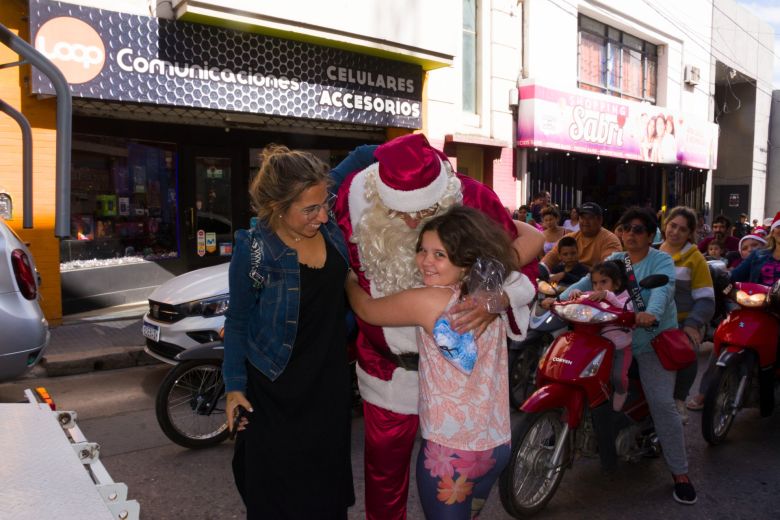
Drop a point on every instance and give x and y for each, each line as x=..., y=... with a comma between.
x=651, y=103
x=173, y=102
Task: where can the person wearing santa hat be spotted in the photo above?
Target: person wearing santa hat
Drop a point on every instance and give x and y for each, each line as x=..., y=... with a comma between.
x=380, y=208
x=763, y=265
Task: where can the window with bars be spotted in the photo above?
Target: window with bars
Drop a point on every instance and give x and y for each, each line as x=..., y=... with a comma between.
x=616, y=63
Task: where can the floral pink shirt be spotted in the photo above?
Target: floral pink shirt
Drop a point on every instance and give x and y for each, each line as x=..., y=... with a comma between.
x=465, y=412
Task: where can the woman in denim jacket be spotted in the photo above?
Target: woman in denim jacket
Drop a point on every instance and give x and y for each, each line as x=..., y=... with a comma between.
x=285, y=347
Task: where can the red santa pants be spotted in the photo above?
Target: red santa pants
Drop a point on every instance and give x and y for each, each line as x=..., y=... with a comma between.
x=388, y=451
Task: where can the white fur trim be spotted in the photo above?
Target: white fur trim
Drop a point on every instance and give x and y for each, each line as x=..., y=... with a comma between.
x=521, y=293
x=397, y=395
x=400, y=340
x=409, y=201
x=774, y=224
x=357, y=195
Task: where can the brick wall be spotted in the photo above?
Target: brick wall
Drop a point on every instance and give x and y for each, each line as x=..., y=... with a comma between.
x=14, y=90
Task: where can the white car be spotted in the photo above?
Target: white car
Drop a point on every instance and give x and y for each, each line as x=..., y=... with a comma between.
x=186, y=311
x=25, y=331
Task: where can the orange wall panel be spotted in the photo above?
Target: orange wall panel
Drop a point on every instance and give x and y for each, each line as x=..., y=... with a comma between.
x=14, y=90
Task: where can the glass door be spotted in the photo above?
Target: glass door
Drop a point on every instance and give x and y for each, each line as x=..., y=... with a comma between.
x=209, y=218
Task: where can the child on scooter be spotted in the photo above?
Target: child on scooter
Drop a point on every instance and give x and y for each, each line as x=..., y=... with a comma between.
x=608, y=279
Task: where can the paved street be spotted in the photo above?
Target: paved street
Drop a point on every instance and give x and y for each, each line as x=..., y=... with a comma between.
x=116, y=409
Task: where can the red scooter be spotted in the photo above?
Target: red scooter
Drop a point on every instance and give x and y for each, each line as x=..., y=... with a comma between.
x=572, y=409
x=747, y=371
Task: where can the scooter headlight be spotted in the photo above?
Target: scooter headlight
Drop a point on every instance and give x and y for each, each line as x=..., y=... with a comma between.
x=750, y=300
x=584, y=314
x=594, y=365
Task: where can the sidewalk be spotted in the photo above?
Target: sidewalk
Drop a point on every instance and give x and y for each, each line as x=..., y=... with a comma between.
x=104, y=339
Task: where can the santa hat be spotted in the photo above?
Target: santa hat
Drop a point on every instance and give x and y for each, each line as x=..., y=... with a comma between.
x=775, y=221
x=412, y=176
x=760, y=231
x=751, y=237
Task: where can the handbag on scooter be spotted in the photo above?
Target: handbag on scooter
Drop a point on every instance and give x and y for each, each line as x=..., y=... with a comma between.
x=672, y=346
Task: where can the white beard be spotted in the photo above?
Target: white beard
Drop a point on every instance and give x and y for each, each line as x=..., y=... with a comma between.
x=387, y=245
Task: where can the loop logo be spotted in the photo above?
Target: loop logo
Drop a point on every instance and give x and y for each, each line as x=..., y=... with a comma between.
x=73, y=46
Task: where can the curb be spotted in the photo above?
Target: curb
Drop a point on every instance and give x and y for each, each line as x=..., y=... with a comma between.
x=56, y=365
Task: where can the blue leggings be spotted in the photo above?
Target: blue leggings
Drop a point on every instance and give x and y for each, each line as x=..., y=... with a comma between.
x=454, y=484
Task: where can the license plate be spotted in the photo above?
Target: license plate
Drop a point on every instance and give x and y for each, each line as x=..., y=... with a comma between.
x=151, y=331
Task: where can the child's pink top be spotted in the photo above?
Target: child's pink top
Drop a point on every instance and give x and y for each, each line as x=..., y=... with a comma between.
x=465, y=412
x=621, y=337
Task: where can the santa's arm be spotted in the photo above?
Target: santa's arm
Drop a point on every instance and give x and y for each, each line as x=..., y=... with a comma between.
x=358, y=159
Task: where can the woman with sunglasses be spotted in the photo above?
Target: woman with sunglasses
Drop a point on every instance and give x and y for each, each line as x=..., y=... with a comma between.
x=639, y=226
x=285, y=347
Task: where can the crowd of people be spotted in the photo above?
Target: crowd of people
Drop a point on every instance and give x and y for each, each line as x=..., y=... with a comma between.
x=396, y=232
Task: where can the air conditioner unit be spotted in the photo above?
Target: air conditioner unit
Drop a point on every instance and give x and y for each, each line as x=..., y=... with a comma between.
x=692, y=75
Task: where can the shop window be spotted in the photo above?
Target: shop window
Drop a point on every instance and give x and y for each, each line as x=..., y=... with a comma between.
x=616, y=63
x=124, y=202
x=469, y=64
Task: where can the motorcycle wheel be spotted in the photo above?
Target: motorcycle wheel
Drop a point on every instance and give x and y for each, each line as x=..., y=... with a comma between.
x=183, y=404
x=719, y=403
x=522, y=374
x=526, y=485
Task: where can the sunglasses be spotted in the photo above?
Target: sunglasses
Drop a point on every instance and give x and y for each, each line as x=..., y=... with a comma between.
x=637, y=229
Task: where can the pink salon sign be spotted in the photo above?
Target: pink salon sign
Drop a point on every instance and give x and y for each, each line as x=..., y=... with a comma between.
x=598, y=124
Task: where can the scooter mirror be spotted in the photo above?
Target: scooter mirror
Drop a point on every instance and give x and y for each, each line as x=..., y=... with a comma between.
x=653, y=281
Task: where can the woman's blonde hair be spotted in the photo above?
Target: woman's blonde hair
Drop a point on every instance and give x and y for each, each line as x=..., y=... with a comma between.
x=283, y=176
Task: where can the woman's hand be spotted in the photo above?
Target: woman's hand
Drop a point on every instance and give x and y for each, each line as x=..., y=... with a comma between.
x=472, y=315
x=645, y=319
x=234, y=399
x=694, y=334
x=574, y=294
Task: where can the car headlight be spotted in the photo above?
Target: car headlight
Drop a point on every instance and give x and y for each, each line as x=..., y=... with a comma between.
x=584, y=313
x=594, y=365
x=750, y=300
x=214, y=306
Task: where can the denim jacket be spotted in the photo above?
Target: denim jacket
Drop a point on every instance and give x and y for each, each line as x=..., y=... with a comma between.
x=749, y=270
x=261, y=322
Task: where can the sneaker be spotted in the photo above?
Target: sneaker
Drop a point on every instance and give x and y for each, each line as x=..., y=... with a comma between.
x=684, y=493
x=683, y=411
x=695, y=403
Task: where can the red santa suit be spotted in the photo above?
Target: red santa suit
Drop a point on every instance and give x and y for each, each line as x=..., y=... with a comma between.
x=410, y=176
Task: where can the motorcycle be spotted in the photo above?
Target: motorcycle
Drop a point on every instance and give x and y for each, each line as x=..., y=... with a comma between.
x=543, y=327
x=746, y=346
x=190, y=403
x=571, y=411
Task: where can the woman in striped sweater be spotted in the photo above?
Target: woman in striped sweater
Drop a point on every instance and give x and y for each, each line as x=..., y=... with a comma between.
x=694, y=295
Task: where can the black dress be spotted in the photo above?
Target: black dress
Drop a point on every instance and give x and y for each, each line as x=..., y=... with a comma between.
x=293, y=460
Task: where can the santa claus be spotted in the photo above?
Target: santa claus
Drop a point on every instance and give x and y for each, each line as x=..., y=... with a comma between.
x=379, y=209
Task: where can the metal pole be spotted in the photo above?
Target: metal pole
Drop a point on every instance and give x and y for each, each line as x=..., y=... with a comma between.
x=64, y=125
x=27, y=185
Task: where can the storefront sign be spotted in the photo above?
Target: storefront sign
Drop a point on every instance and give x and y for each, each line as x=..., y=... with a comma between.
x=121, y=57
x=599, y=124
